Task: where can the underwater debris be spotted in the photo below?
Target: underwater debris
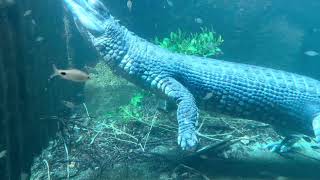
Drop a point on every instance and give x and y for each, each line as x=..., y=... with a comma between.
x=33, y=22
x=198, y=20
x=70, y=74
x=68, y=104
x=39, y=39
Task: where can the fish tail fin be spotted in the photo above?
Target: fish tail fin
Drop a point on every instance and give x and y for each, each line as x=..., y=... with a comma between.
x=55, y=71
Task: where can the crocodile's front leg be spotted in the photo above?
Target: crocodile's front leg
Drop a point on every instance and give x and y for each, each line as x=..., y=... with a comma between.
x=187, y=112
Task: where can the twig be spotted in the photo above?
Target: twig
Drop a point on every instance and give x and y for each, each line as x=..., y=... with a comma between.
x=68, y=170
x=246, y=138
x=235, y=128
x=195, y=171
x=208, y=137
x=85, y=107
x=66, y=23
x=145, y=142
x=118, y=131
x=48, y=169
x=201, y=125
x=95, y=136
x=123, y=140
x=161, y=126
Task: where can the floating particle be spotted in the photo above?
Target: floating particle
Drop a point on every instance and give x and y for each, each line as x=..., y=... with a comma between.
x=198, y=20
x=39, y=39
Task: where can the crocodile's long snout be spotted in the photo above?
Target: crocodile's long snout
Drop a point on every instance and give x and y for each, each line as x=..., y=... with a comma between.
x=91, y=15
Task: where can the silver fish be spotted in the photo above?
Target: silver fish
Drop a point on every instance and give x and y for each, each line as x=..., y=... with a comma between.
x=70, y=74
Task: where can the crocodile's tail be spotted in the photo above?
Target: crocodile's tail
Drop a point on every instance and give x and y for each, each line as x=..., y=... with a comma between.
x=316, y=128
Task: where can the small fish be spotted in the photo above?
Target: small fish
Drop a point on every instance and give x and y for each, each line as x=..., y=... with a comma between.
x=3, y=154
x=70, y=74
x=198, y=20
x=129, y=5
x=68, y=104
x=170, y=3
x=311, y=53
x=39, y=39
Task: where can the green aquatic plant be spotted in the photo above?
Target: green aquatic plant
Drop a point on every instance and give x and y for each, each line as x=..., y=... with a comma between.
x=205, y=43
x=132, y=111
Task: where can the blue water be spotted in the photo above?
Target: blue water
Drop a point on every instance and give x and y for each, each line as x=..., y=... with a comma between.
x=108, y=128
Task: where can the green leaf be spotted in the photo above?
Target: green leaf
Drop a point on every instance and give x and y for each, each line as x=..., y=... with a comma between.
x=204, y=44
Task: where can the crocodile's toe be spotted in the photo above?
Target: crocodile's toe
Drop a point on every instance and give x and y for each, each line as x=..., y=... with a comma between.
x=187, y=140
x=278, y=147
x=284, y=146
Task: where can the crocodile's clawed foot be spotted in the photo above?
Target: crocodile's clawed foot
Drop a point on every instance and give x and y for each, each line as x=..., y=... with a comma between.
x=278, y=147
x=284, y=146
x=188, y=140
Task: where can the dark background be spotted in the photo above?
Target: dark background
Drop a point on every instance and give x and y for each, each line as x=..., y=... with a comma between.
x=270, y=33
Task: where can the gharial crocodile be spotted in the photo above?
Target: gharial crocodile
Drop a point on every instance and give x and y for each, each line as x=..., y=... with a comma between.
x=286, y=101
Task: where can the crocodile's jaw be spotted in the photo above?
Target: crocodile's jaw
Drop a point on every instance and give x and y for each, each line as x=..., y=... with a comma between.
x=91, y=16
